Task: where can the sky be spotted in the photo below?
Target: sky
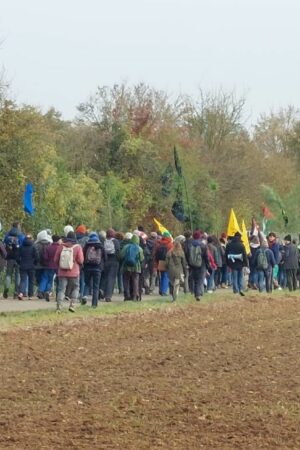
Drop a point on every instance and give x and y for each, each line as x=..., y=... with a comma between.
x=55, y=53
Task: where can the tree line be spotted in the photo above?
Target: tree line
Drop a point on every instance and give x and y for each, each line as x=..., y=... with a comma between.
x=113, y=164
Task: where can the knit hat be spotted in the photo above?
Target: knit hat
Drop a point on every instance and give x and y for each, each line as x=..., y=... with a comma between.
x=71, y=235
x=67, y=229
x=197, y=234
x=288, y=238
x=153, y=234
x=128, y=236
x=93, y=237
x=81, y=229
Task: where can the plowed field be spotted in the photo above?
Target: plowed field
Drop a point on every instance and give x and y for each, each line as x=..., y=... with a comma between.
x=224, y=375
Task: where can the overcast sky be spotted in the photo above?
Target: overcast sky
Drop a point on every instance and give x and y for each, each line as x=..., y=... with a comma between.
x=56, y=52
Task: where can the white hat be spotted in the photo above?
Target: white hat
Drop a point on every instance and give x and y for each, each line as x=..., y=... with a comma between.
x=67, y=229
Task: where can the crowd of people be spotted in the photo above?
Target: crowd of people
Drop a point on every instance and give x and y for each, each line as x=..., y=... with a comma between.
x=80, y=264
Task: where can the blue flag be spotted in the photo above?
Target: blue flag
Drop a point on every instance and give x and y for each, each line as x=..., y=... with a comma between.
x=27, y=200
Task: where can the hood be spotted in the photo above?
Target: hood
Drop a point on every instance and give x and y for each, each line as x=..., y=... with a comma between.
x=69, y=242
x=43, y=236
x=14, y=232
x=165, y=240
x=135, y=239
x=67, y=229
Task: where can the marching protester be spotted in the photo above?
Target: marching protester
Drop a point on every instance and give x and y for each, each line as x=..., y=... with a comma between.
x=176, y=268
x=263, y=263
x=27, y=260
x=69, y=257
x=291, y=262
x=12, y=241
x=131, y=258
x=236, y=258
x=198, y=262
x=94, y=258
x=164, y=245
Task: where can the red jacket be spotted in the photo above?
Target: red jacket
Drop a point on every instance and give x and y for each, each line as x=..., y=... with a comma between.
x=77, y=259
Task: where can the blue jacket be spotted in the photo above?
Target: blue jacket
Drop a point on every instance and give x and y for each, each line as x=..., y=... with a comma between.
x=28, y=256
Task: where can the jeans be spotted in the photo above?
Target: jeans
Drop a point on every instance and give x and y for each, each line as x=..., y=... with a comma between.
x=109, y=276
x=211, y=281
x=12, y=268
x=224, y=276
x=237, y=280
x=70, y=284
x=27, y=275
x=253, y=277
x=46, y=280
x=81, y=283
x=164, y=282
x=92, y=279
x=260, y=279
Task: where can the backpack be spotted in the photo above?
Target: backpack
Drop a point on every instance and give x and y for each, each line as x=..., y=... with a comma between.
x=262, y=260
x=195, y=256
x=161, y=253
x=131, y=255
x=66, y=260
x=93, y=256
x=12, y=245
x=109, y=247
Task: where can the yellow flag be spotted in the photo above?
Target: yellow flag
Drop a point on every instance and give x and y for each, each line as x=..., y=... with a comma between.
x=233, y=225
x=245, y=239
x=161, y=228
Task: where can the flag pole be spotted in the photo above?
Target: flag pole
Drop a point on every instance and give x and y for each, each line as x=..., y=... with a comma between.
x=181, y=175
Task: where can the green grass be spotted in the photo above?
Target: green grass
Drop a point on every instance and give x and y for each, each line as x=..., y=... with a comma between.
x=47, y=317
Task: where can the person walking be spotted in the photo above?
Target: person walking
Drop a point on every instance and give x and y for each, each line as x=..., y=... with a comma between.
x=94, y=257
x=131, y=257
x=291, y=262
x=198, y=263
x=176, y=268
x=27, y=259
x=236, y=258
x=69, y=257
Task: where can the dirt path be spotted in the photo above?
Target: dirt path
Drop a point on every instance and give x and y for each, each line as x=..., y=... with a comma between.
x=10, y=305
x=219, y=376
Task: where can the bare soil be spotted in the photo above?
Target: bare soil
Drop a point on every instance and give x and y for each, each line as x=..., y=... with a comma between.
x=218, y=376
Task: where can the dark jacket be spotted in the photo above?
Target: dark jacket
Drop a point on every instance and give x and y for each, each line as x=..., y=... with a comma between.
x=27, y=257
x=274, y=246
x=13, y=251
x=3, y=255
x=291, y=257
x=49, y=254
x=236, y=256
x=93, y=267
x=252, y=258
